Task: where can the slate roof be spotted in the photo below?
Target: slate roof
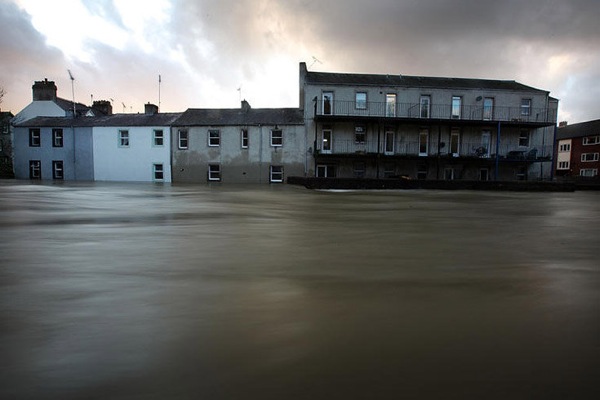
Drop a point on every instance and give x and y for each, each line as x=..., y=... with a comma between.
x=160, y=119
x=236, y=116
x=67, y=105
x=329, y=78
x=589, y=128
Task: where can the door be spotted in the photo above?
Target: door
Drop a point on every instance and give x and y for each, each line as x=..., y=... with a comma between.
x=423, y=142
x=327, y=141
x=454, y=142
x=488, y=109
x=486, y=140
x=389, y=142
x=390, y=105
x=327, y=103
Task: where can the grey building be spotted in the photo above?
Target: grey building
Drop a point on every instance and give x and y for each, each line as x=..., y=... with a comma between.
x=58, y=148
x=6, y=164
x=384, y=126
x=242, y=145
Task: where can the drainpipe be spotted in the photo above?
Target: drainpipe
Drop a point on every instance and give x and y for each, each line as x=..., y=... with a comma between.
x=553, y=152
x=497, y=151
x=438, y=152
x=74, y=155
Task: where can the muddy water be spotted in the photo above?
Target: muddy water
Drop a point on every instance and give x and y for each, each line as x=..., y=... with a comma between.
x=275, y=292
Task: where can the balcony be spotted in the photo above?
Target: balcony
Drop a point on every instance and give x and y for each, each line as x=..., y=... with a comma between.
x=437, y=112
x=410, y=149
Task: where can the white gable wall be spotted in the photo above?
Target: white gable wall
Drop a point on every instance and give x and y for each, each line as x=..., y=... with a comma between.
x=134, y=163
x=39, y=109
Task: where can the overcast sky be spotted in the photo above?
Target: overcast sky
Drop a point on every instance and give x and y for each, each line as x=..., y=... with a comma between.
x=205, y=50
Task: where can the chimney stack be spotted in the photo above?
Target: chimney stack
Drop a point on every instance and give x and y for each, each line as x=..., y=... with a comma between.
x=150, y=109
x=44, y=90
x=103, y=106
x=562, y=124
x=245, y=106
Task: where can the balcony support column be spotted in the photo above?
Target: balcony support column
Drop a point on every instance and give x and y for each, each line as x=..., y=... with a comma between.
x=496, y=172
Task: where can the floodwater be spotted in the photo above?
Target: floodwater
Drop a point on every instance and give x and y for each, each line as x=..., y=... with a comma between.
x=142, y=291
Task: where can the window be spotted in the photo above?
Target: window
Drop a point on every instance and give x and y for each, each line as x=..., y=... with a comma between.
x=34, y=138
x=276, y=138
x=123, y=138
x=563, y=165
x=422, y=171
x=454, y=142
x=484, y=174
x=456, y=107
x=423, y=142
x=57, y=137
x=360, y=169
x=525, y=107
x=214, y=172
x=564, y=147
x=589, y=157
x=327, y=103
x=325, y=171
x=589, y=140
x=488, y=108
x=276, y=173
x=57, y=170
x=159, y=138
x=244, y=138
x=361, y=101
x=424, y=106
x=183, y=139
x=214, y=138
x=524, y=138
x=158, y=172
x=588, y=172
x=35, y=169
x=327, y=143
x=390, y=105
x=449, y=174
x=389, y=139
x=360, y=133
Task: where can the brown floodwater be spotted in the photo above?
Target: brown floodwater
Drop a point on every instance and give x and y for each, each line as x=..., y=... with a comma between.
x=141, y=291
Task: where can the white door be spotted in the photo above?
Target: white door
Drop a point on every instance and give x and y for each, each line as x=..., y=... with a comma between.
x=327, y=141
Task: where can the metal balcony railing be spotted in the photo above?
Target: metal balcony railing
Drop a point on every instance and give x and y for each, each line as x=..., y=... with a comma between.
x=435, y=111
x=413, y=148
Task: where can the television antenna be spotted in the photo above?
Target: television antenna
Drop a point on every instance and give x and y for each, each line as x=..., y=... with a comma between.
x=315, y=60
x=72, y=91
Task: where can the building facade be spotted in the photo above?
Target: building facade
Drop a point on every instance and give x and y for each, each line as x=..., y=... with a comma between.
x=6, y=154
x=578, y=151
x=242, y=145
x=384, y=126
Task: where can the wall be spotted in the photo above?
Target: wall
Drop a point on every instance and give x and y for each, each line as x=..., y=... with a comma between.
x=39, y=109
x=133, y=163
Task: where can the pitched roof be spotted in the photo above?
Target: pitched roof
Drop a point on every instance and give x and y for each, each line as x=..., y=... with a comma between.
x=160, y=119
x=236, y=116
x=67, y=105
x=589, y=128
x=329, y=78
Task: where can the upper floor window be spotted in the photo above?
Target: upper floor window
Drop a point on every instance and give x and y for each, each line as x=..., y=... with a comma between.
x=456, y=107
x=488, y=108
x=525, y=107
x=588, y=157
x=425, y=105
x=276, y=138
x=361, y=100
x=589, y=140
x=244, y=138
x=524, y=138
x=182, y=139
x=214, y=137
x=360, y=134
x=564, y=146
x=34, y=137
x=159, y=138
x=57, y=137
x=123, y=138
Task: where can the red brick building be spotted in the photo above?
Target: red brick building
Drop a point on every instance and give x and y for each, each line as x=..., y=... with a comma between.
x=578, y=150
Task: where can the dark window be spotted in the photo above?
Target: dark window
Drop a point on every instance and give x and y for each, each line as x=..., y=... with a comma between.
x=244, y=138
x=276, y=138
x=57, y=137
x=276, y=173
x=183, y=139
x=159, y=137
x=34, y=137
x=57, y=170
x=214, y=138
x=214, y=172
x=360, y=133
x=35, y=169
x=123, y=138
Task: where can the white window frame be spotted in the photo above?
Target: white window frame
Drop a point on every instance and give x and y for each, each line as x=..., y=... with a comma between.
x=35, y=169
x=158, y=172
x=425, y=105
x=214, y=138
x=524, y=138
x=276, y=140
x=564, y=147
x=244, y=139
x=58, y=137
x=588, y=172
x=456, y=112
x=488, y=109
x=58, y=170
x=360, y=134
x=360, y=104
x=214, y=172
x=525, y=107
x=183, y=139
x=562, y=165
x=276, y=173
x=589, y=157
x=391, y=101
x=35, y=137
x=158, y=137
x=591, y=140
x=123, y=138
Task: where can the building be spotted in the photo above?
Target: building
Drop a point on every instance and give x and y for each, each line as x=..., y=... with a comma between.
x=242, y=145
x=6, y=165
x=386, y=126
x=577, y=150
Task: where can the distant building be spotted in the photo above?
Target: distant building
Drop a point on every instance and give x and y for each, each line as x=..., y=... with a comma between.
x=386, y=126
x=244, y=145
x=577, y=150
